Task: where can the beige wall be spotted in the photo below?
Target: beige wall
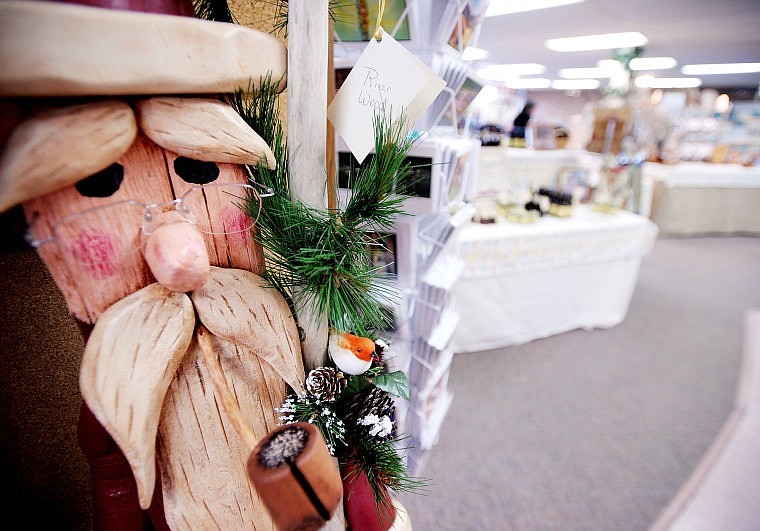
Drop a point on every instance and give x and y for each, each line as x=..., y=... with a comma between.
x=557, y=107
x=569, y=111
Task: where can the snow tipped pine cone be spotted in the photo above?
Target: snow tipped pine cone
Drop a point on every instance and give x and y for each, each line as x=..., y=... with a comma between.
x=325, y=383
x=370, y=411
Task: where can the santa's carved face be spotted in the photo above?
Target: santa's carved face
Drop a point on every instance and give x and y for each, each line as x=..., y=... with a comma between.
x=151, y=215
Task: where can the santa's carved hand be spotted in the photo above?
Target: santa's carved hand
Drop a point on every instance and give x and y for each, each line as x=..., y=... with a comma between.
x=177, y=256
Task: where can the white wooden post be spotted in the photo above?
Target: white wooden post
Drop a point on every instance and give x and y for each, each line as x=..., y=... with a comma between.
x=308, y=36
x=308, y=49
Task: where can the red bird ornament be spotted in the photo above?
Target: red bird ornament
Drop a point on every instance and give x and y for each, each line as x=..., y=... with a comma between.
x=352, y=354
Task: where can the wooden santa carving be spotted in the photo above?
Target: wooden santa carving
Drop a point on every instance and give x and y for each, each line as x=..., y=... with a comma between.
x=134, y=194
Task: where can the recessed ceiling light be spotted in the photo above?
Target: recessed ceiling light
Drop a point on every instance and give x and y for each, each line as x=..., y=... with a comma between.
x=529, y=83
x=652, y=63
x=505, y=7
x=474, y=54
x=510, y=71
x=575, y=84
x=725, y=68
x=584, y=73
x=667, y=82
x=604, y=41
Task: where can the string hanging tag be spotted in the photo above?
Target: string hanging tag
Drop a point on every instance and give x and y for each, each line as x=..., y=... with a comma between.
x=378, y=35
x=386, y=79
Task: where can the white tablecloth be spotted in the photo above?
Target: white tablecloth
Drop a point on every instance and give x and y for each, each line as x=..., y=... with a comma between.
x=702, y=198
x=524, y=282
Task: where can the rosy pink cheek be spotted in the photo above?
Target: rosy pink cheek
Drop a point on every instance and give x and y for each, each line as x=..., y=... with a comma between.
x=95, y=253
x=236, y=223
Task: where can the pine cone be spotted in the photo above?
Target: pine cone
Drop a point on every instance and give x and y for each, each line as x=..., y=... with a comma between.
x=380, y=348
x=370, y=411
x=325, y=383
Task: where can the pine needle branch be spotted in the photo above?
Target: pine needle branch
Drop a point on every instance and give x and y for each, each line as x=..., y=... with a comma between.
x=384, y=469
x=317, y=258
x=215, y=10
x=280, y=17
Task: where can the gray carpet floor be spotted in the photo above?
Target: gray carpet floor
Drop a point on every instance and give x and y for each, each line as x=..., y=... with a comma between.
x=588, y=430
x=597, y=430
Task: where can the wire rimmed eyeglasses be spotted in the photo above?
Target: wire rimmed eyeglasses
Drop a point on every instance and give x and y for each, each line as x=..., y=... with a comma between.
x=238, y=206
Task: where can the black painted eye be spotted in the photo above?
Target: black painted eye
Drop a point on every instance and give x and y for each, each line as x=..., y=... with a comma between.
x=105, y=183
x=196, y=171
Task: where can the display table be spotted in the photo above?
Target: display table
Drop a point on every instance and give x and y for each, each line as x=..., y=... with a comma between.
x=692, y=198
x=527, y=281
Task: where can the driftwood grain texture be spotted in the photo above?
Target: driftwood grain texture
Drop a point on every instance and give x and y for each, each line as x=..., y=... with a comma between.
x=96, y=259
x=202, y=457
x=222, y=390
x=59, y=147
x=307, y=124
x=227, y=247
x=49, y=49
x=282, y=494
x=239, y=306
x=202, y=129
x=128, y=363
x=308, y=49
x=330, y=162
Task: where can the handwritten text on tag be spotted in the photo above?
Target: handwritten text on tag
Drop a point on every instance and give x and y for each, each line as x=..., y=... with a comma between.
x=386, y=78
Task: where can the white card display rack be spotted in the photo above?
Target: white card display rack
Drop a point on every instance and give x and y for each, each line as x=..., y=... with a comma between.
x=428, y=330
x=426, y=268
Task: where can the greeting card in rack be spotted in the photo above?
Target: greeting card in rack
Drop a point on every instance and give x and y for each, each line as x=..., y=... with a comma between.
x=443, y=171
x=355, y=21
x=467, y=26
x=419, y=24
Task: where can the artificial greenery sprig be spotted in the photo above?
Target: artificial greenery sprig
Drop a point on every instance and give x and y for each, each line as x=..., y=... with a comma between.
x=321, y=258
x=346, y=408
x=383, y=467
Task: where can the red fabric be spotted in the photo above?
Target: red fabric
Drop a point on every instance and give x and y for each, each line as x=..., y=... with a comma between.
x=169, y=7
x=362, y=513
x=115, y=505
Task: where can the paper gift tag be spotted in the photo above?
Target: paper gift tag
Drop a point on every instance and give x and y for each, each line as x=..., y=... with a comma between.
x=386, y=78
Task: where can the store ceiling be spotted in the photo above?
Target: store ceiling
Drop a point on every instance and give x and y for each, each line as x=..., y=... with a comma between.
x=691, y=31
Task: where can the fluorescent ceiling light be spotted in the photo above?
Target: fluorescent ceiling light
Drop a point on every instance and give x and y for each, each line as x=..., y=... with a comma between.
x=505, y=7
x=529, y=83
x=667, y=82
x=726, y=68
x=510, y=71
x=639, y=63
x=584, y=73
x=474, y=54
x=575, y=84
x=652, y=63
x=604, y=41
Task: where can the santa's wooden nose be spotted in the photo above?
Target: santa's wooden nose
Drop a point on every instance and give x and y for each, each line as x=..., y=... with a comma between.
x=177, y=255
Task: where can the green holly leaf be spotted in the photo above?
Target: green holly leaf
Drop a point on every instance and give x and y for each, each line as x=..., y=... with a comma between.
x=394, y=383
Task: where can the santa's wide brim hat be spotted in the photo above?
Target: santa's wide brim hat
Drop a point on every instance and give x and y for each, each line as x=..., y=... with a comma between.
x=51, y=50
